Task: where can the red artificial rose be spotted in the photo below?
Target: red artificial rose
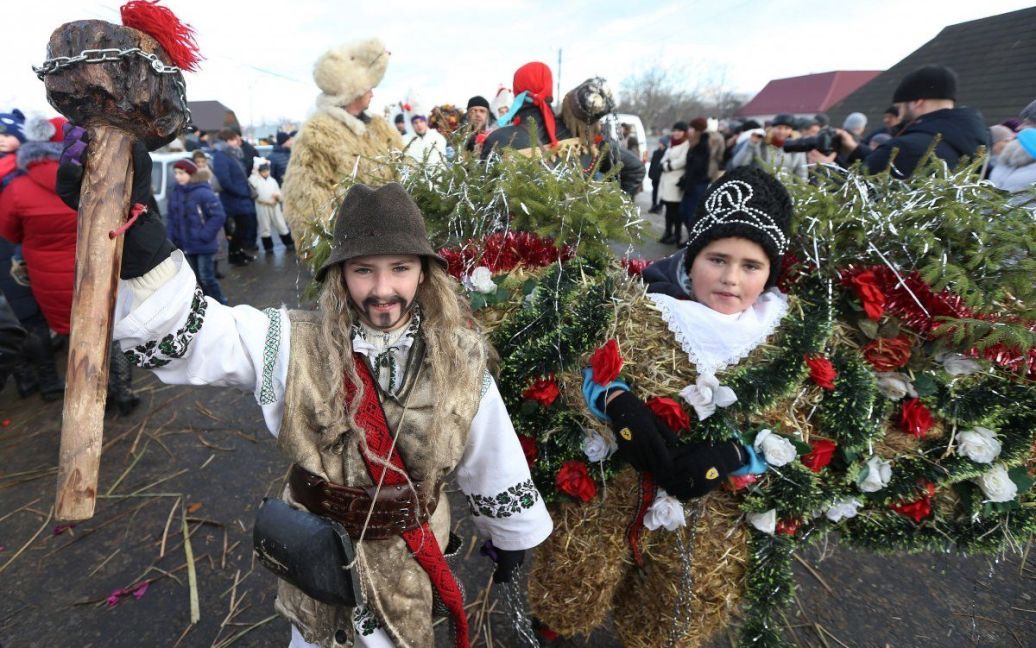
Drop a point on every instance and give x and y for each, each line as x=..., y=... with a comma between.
x=736, y=483
x=606, y=363
x=529, y=448
x=821, y=371
x=919, y=509
x=915, y=418
x=634, y=267
x=865, y=285
x=670, y=412
x=544, y=391
x=574, y=480
x=788, y=527
x=820, y=455
x=888, y=354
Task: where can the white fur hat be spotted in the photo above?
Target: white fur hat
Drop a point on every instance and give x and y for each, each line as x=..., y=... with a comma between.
x=503, y=99
x=257, y=162
x=348, y=71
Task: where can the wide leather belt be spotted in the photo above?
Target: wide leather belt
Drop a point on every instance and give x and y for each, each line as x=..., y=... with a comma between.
x=395, y=509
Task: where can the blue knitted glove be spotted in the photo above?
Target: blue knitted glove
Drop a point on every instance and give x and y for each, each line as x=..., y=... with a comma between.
x=594, y=393
x=756, y=464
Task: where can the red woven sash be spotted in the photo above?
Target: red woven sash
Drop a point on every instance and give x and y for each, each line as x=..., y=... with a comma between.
x=646, y=495
x=421, y=541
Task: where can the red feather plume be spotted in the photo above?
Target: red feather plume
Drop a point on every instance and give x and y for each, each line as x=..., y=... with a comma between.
x=160, y=23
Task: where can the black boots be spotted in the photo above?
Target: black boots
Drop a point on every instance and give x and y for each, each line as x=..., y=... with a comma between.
x=672, y=229
x=268, y=244
x=120, y=382
x=289, y=243
x=37, y=370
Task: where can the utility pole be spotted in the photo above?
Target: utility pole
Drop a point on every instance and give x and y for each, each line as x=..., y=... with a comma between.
x=557, y=95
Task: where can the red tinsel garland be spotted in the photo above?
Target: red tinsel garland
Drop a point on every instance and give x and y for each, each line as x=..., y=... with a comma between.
x=901, y=303
x=503, y=252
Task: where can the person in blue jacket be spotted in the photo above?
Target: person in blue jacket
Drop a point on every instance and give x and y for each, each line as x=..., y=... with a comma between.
x=195, y=222
x=236, y=196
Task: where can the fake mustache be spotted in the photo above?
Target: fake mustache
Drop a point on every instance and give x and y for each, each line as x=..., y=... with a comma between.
x=374, y=301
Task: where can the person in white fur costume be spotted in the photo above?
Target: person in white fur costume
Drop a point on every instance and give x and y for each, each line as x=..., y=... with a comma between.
x=341, y=139
x=267, y=195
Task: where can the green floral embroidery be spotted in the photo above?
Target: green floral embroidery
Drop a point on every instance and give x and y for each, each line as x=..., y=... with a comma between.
x=270, y=348
x=512, y=501
x=487, y=380
x=159, y=353
x=364, y=621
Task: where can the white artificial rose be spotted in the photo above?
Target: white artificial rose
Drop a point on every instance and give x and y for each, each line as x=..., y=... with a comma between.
x=765, y=522
x=980, y=445
x=843, y=509
x=481, y=279
x=665, y=512
x=596, y=447
x=706, y=394
x=894, y=385
x=997, y=485
x=777, y=450
x=956, y=364
x=876, y=475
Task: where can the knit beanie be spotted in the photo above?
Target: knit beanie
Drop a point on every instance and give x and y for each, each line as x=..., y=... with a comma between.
x=746, y=203
x=783, y=119
x=478, y=101
x=11, y=124
x=1000, y=133
x=855, y=120
x=283, y=137
x=928, y=82
x=1029, y=112
x=681, y=125
x=700, y=124
x=185, y=165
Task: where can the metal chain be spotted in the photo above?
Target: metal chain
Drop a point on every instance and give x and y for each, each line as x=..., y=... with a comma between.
x=520, y=618
x=683, y=609
x=115, y=54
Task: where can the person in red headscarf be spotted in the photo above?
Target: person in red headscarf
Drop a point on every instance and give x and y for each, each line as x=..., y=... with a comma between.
x=533, y=88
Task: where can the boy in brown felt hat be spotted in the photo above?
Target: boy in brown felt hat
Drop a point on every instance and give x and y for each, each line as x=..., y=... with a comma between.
x=417, y=405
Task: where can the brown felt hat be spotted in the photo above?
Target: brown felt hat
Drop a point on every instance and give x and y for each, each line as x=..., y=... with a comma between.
x=372, y=221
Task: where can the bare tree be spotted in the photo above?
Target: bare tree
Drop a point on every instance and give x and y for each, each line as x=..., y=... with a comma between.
x=662, y=96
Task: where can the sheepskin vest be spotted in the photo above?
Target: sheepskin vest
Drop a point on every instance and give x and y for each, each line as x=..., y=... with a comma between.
x=332, y=146
x=432, y=440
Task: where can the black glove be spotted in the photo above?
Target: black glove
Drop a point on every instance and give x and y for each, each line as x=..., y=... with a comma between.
x=644, y=440
x=507, y=561
x=146, y=244
x=699, y=468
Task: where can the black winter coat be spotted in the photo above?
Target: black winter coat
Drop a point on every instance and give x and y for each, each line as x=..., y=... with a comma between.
x=697, y=170
x=631, y=175
x=655, y=172
x=516, y=136
x=664, y=276
x=962, y=130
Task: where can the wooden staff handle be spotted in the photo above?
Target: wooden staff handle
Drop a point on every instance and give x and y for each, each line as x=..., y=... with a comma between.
x=103, y=207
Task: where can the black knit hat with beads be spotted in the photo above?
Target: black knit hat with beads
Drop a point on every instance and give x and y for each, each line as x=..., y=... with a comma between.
x=747, y=203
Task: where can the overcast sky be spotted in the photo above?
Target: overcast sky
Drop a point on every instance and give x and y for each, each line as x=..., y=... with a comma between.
x=259, y=53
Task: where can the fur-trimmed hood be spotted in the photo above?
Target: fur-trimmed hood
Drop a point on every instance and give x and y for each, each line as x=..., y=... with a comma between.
x=31, y=153
x=345, y=72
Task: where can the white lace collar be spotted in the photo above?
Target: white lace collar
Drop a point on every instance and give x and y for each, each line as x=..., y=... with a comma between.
x=713, y=340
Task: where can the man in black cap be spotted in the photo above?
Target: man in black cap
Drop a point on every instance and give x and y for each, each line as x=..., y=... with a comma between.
x=476, y=121
x=768, y=152
x=281, y=155
x=375, y=398
x=926, y=99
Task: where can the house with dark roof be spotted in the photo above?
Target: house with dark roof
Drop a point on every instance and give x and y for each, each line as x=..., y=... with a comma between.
x=211, y=116
x=804, y=95
x=994, y=58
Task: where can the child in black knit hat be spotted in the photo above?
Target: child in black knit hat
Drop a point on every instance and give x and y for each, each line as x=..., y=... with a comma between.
x=719, y=299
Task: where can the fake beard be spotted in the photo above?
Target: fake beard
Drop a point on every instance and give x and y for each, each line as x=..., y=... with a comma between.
x=384, y=320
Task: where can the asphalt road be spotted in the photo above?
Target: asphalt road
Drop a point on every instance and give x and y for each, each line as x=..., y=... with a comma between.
x=202, y=458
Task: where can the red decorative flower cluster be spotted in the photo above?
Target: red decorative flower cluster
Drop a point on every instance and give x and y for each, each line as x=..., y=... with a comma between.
x=634, y=267
x=737, y=482
x=821, y=371
x=788, y=527
x=919, y=509
x=606, y=363
x=888, y=354
x=504, y=251
x=915, y=418
x=865, y=285
x=670, y=412
x=544, y=391
x=821, y=454
x=529, y=448
x=574, y=480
